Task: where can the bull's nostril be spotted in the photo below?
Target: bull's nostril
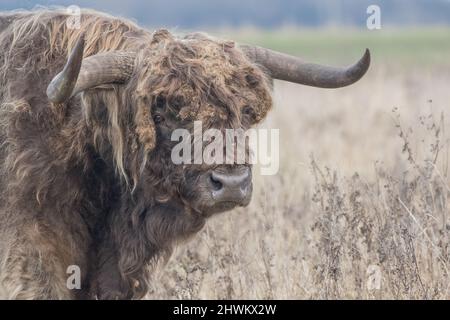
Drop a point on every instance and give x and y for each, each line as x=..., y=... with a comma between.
x=216, y=184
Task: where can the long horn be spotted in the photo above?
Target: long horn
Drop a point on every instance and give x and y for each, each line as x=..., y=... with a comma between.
x=80, y=74
x=289, y=68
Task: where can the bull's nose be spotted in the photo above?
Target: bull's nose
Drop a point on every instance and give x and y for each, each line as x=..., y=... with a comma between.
x=234, y=186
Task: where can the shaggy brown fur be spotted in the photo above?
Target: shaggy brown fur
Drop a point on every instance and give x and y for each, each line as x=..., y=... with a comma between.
x=90, y=182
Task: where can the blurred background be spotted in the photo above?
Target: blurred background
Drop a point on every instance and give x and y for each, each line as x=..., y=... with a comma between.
x=363, y=178
x=314, y=28
x=259, y=13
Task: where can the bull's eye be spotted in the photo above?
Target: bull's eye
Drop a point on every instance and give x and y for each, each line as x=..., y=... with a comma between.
x=252, y=80
x=158, y=119
x=248, y=115
x=160, y=102
x=177, y=103
x=247, y=110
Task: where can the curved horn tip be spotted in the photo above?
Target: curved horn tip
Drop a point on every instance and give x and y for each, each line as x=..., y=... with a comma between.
x=367, y=57
x=358, y=70
x=79, y=45
x=364, y=62
x=61, y=87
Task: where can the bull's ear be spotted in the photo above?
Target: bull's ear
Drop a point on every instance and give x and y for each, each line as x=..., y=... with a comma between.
x=145, y=127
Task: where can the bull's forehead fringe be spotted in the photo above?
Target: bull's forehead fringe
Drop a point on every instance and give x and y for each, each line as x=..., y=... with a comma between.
x=209, y=77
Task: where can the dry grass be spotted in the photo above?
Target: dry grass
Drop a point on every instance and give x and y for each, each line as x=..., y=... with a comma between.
x=363, y=186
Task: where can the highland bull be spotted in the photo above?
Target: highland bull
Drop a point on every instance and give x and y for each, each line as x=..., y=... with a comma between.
x=86, y=118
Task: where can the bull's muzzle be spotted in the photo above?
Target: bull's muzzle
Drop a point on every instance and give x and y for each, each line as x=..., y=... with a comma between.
x=231, y=185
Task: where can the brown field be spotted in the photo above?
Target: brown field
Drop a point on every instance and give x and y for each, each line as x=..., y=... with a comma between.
x=362, y=193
